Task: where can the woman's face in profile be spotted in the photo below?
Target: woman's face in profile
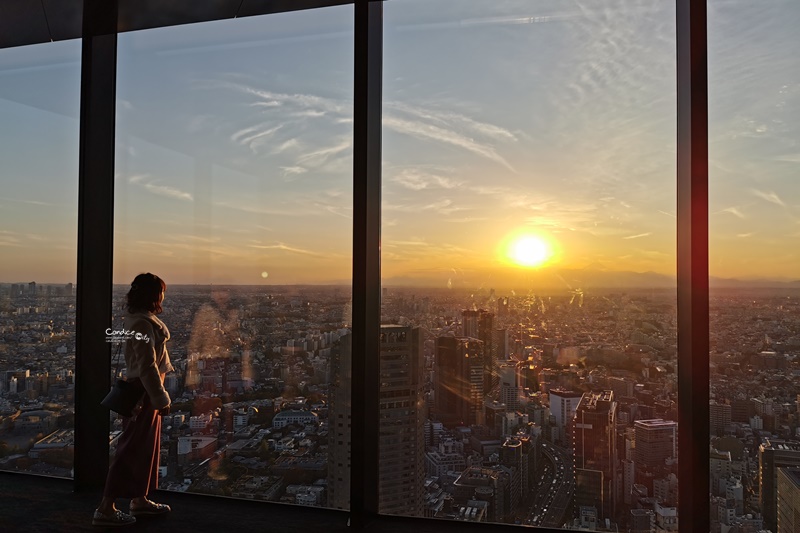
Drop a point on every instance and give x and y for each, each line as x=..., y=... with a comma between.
x=161, y=296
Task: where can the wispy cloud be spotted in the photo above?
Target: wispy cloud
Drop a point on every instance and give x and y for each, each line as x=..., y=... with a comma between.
x=285, y=248
x=319, y=105
x=196, y=238
x=289, y=144
x=638, y=236
x=9, y=238
x=416, y=179
x=467, y=220
x=745, y=235
x=733, y=210
x=428, y=132
x=318, y=157
x=789, y=158
x=768, y=196
x=450, y=119
x=444, y=207
x=29, y=202
x=293, y=171
x=262, y=210
x=151, y=185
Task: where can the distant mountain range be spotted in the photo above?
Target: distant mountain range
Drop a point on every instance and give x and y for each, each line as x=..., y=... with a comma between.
x=592, y=277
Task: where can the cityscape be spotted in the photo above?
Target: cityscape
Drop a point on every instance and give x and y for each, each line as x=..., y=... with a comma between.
x=543, y=408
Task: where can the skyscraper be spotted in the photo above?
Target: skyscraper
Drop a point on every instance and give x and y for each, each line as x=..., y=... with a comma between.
x=478, y=324
x=563, y=404
x=788, y=500
x=402, y=419
x=773, y=455
x=458, y=381
x=595, y=452
x=402, y=440
x=339, y=420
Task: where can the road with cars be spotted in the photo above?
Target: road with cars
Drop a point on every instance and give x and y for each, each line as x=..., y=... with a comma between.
x=554, y=489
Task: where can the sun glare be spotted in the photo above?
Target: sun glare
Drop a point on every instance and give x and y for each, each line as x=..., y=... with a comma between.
x=528, y=250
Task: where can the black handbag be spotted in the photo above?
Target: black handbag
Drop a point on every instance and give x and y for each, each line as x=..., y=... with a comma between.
x=124, y=395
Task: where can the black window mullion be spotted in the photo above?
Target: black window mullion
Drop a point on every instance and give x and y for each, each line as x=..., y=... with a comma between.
x=693, y=322
x=95, y=241
x=368, y=57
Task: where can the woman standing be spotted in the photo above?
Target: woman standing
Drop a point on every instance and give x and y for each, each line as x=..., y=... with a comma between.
x=134, y=470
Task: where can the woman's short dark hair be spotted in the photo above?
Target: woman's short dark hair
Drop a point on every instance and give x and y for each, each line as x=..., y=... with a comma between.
x=145, y=293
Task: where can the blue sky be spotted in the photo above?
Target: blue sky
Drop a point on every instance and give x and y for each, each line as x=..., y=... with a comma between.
x=555, y=118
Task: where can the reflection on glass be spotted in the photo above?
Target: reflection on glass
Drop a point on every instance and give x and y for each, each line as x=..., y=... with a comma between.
x=754, y=102
x=38, y=214
x=234, y=184
x=528, y=245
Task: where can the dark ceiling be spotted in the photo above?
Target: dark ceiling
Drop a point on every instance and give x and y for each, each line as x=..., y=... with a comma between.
x=24, y=22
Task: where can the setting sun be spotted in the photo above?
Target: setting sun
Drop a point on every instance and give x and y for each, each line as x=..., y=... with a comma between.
x=527, y=249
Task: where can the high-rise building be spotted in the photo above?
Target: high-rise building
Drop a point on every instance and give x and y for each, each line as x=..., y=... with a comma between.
x=511, y=388
x=479, y=324
x=458, y=381
x=595, y=452
x=656, y=441
x=563, y=404
x=719, y=416
x=402, y=422
x=500, y=343
x=402, y=429
x=788, y=500
x=773, y=455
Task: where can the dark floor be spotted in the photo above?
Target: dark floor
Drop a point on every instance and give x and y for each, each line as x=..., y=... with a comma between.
x=40, y=504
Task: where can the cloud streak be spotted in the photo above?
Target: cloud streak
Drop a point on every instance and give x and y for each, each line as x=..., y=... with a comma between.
x=152, y=186
x=417, y=180
x=286, y=248
x=768, y=196
x=430, y=132
x=733, y=210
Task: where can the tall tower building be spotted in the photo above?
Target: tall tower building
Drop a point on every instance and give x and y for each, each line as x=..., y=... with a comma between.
x=500, y=343
x=402, y=418
x=774, y=455
x=458, y=381
x=478, y=324
x=595, y=453
x=339, y=419
x=402, y=422
x=563, y=404
x=788, y=500
x=511, y=389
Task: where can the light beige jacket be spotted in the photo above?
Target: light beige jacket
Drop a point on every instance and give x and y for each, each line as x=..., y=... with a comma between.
x=146, y=355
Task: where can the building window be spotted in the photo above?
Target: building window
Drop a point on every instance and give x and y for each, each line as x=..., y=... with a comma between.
x=39, y=102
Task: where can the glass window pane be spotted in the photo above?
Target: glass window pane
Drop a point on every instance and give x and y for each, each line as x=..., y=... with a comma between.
x=528, y=263
x=234, y=185
x=39, y=103
x=754, y=151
